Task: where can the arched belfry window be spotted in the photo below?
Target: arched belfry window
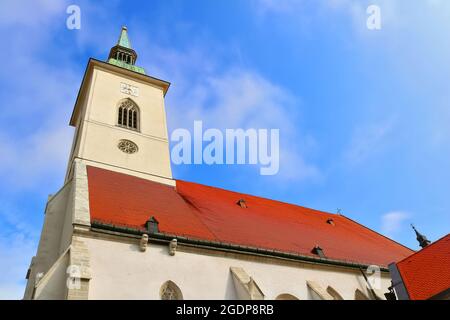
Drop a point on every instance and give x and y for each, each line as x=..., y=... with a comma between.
x=128, y=115
x=170, y=291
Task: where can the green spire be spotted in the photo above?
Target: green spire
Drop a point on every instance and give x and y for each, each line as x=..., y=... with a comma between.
x=122, y=55
x=123, y=40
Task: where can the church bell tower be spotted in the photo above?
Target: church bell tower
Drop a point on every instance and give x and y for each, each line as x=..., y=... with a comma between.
x=120, y=119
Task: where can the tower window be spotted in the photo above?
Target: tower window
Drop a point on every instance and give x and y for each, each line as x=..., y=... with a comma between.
x=128, y=115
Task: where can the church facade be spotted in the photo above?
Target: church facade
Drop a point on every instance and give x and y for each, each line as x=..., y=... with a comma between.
x=121, y=227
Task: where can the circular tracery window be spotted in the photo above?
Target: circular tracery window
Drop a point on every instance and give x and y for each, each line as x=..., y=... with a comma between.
x=127, y=146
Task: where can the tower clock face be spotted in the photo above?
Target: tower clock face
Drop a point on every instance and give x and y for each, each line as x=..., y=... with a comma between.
x=129, y=89
x=127, y=146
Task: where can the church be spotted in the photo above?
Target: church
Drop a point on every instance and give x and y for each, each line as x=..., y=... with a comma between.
x=122, y=227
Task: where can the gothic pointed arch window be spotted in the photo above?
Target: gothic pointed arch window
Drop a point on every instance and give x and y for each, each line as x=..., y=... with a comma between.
x=170, y=291
x=359, y=295
x=286, y=296
x=333, y=292
x=128, y=115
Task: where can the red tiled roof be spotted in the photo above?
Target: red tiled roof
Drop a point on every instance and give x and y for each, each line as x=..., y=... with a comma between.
x=426, y=273
x=207, y=213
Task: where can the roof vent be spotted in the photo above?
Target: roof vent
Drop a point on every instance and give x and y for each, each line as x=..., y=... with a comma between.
x=331, y=221
x=318, y=250
x=242, y=203
x=152, y=225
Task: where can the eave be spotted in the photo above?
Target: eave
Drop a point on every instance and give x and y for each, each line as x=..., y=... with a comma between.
x=215, y=245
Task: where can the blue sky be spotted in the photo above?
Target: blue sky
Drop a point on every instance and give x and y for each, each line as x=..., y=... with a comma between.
x=363, y=115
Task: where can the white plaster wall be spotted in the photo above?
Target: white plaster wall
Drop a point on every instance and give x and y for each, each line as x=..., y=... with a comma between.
x=70, y=205
x=99, y=133
x=76, y=143
x=103, y=103
x=67, y=227
x=101, y=145
x=122, y=271
x=54, y=285
x=50, y=241
x=55, y=235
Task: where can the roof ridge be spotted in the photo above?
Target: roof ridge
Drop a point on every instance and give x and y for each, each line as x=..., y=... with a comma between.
x=378, y=233
x=259, y=197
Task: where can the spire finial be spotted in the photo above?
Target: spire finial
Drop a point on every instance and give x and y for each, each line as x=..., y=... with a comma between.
x=123, y=39
x=423, y=241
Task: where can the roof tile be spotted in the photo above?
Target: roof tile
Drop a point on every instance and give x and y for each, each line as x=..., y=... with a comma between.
x=426, y=273
x=209, y=213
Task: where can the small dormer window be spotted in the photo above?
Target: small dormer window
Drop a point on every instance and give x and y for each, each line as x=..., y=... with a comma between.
x=242, y=203
x=128, y=115
x=319, y=251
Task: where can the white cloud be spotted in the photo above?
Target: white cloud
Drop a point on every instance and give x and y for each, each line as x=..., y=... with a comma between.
x=37, y=93
x=392, y=222
x=223, y=95
x=244, y=99
x=241, y=98
x=277, y=6
x=35, y=159
x=16, y=251
x=30, y=13
x=367, y=141
x=414, y=51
